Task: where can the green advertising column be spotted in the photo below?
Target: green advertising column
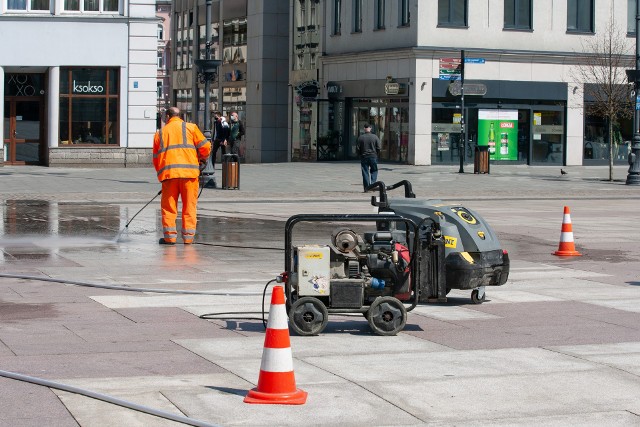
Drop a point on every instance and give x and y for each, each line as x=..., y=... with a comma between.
x=498, y=129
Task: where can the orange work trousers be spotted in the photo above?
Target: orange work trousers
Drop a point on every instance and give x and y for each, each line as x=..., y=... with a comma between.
x=187, y=190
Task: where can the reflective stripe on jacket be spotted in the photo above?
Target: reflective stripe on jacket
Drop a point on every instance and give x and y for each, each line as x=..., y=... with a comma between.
x=178, y=148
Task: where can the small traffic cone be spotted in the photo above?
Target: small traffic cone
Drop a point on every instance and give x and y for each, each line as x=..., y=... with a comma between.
x=567, y=247
x=277, y=383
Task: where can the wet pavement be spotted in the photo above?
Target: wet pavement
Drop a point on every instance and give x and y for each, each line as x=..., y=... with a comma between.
x=559, y=344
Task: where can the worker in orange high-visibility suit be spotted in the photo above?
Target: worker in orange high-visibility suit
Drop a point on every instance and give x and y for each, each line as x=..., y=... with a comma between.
x=180, y=150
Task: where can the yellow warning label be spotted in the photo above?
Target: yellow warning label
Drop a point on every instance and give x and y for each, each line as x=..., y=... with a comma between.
x=450, y=242
x=314, y=255
x=466, y=256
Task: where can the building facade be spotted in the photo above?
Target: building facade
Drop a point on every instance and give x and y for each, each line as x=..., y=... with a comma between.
x=78, y=82
x=398, y=64
x=250, y=38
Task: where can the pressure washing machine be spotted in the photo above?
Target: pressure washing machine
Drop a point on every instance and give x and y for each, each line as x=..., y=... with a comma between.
x=411, y=252
x=472, y=257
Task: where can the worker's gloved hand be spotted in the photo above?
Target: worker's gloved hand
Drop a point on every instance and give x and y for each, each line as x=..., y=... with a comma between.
x=202, y=164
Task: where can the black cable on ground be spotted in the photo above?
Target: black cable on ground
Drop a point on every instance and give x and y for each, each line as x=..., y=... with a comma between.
x=106, y=398
x=238, y=247
x=125, y=288
x=209, y=316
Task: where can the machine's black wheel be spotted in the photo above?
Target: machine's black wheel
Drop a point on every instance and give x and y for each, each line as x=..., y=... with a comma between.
x=308, y=316
x=387, y=316
x=475, y=299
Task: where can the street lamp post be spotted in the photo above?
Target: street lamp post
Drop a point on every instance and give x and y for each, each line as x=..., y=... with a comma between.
x=207, y=71
x=633, y=177
x=463, y=141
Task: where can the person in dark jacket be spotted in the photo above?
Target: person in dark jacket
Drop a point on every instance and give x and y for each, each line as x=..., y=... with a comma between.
x=236, y=131
x=220, y=136
x=368, y=148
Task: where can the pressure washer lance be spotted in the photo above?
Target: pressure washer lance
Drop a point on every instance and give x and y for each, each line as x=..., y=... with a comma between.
x=127, y=226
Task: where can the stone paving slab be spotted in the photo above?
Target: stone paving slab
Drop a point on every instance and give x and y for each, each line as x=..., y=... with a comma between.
x=557, y=345
x=23, y=404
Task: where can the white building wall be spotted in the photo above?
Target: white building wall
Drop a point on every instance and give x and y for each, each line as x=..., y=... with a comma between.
x=119, y=42
x=486, y=22
x=53, y=112
x=142, y=78
x=545, y=54
x=392, y=37
x=60, y=43
x=420, y=113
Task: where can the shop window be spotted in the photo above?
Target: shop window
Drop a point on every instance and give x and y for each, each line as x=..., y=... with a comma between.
x=596, y=138
x=452, y=13
x=445, y=135
x=389, y=120
x=517, y=14
x=89, y=106
x=580, y=16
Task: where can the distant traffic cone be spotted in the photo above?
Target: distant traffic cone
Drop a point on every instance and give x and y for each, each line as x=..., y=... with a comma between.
x=567, y=247
x=277, y=383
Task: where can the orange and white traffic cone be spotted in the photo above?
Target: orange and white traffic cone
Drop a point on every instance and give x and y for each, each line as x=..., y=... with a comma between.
x=277, y=383
x=567, y=246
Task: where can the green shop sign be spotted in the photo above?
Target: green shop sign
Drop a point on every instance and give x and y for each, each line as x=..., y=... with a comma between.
x=498, y=129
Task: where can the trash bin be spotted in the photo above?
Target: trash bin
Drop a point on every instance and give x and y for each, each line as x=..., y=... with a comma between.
x=481, y=159
x=230, y=172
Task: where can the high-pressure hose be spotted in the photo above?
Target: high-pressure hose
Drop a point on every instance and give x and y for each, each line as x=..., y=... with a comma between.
x=110, y=399
x=106, y=398
x=212, y=316
x=125, y=288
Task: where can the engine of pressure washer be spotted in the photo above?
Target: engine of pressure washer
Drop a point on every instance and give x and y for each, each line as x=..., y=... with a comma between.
x=354, y=270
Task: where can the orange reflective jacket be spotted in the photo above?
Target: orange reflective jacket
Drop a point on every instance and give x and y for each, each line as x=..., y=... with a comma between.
x=178, y=148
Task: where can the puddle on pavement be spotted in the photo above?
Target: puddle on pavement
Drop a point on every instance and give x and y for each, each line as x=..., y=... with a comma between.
x=32, y=229
x=13, y=311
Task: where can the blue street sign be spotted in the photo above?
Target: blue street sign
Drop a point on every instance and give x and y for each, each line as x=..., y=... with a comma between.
x=637, y=102
x=474, y=60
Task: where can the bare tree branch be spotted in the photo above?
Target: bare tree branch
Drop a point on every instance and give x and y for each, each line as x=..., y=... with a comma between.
x=602, y=73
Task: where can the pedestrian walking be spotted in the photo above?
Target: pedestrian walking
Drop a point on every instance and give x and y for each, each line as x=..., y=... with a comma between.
x=180, y=152
x=220, y=136
x=368, y=148
x=236, y=132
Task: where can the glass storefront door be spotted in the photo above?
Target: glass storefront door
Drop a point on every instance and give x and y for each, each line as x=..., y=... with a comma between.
x=22, y=133
x=389, y=119
x=547, y=137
